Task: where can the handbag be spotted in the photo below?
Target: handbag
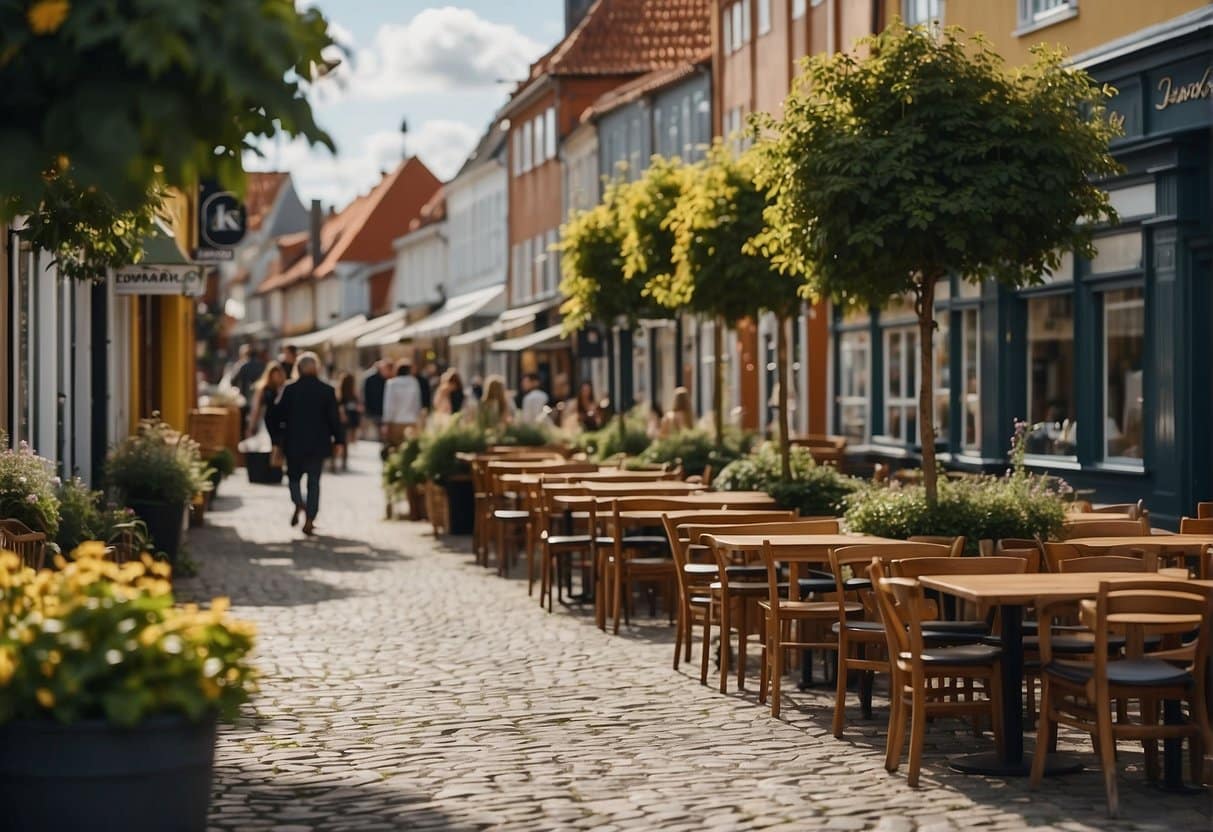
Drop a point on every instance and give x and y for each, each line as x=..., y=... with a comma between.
x=277, y=457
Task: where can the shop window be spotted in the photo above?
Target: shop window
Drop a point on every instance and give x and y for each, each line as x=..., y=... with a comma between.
x=970, y=374
x=923, y=11
x=1064, y=272
x=764, y=16
x=942, y=395
x=854, y=371
x=1117, y=253
x=900, y=384
x=1053, y=429
x=1124, y=321
x=1134, y=201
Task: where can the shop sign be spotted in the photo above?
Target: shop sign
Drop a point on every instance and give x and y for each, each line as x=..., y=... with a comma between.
x=1172, y=92
x=222, y=223
x=158, y=280
x=1179, y=95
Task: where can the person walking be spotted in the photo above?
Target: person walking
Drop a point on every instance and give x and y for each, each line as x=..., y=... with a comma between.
x=586, y=411
x=680, y=417
x=307, y=426
x=287, y=358
x=495, y=409
x=534, y=400
x=402, y=404
x=373, y=383
x=351, y=414
x=263, y=395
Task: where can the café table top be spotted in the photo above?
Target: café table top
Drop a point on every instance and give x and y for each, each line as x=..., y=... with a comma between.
x=1072, y=516
x=749, y=499
x=607, y=485
x=1021, y=589
x=817, y=542
x=1165, y=541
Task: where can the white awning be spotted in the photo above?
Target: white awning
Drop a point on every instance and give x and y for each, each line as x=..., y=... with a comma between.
x=453, y=312
x=485, y=333
x=364, y=335
x=329, y=335
x=543, y=338
x=520, y=315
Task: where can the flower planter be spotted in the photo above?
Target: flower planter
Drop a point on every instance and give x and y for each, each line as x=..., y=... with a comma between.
x=93, y=775
x=461, y=505
x=165, y=525
x=260, y=471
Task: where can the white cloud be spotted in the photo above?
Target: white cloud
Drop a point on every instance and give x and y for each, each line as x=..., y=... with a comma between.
x=442, y=145
x=439, y=50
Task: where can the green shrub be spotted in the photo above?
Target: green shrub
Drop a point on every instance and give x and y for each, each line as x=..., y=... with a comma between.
x=223, y=462
x=631, y=438
x=813, y=490
x=79, y=514
x=436, y=460
x=155, y=466
x=27, y=489
x=696, y=449
x=524, y=434
x=981, y=508
x=399, y=471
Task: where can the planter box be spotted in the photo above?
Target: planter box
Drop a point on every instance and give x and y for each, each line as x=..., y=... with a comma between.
x=460, y=505
x=166, y=524
x=93, y=775
x=259, y=470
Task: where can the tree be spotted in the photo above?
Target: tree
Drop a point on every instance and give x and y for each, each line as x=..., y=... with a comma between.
x=107, y=102
x=926, y=159
x=717, y=273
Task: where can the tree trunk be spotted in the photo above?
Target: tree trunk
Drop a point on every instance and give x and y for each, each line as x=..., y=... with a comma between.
x=926, y=385
x=781, y=376
x=718, y=380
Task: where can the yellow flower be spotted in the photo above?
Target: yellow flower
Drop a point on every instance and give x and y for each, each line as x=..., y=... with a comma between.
x=7, y=666
x=209, y=689
x=46, y=16
x=221, y=605
x=45, y=698
x=90, y=550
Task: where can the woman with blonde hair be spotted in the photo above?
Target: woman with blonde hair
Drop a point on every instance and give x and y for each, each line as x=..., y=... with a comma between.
x=495, y=408
x=681, y=416
x=265, y=393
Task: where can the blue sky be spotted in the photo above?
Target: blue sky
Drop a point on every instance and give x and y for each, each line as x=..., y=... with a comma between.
x=445, y=68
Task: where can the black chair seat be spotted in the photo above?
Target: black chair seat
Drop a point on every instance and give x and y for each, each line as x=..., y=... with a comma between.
x=1073, y=643
x=648, y=561
x=646, y=540
x=699, y=569
x=859, y=627
x=511, y=514
x=576, y=540
x=701, y=600
x=818, y=585
x=962, y=654
x=971, y=628
x=747, y=572
x=750, y=587
x=1129, y=672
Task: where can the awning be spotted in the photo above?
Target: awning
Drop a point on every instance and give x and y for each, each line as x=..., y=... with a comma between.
x=364, y=335
x=552, y=336
x=329, y=335
x=521, y=315
x=485, y=333
x=453, y=312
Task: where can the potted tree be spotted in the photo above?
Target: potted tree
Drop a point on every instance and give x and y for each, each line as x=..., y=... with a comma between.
x=110, y=694
x=156, y=474
x=438, y=462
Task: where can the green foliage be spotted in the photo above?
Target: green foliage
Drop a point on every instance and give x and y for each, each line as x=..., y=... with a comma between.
x=929, y=157
x=27, y=489
x=696, y=449
x=128, y=96
x=156, y=465
x=645, y=210
x=436, y=460
x=627, y=435
x=715, y=270
x=524, y=434
x=79, y=514
x=223, y=462
x=814, y=490
x=399, y=471
x=97, y=640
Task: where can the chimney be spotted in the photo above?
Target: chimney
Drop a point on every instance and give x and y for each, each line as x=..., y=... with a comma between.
x=317, y=219
x=574, y=11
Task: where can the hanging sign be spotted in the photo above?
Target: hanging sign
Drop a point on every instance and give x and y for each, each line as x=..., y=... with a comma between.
x=222, y=223
x=158, y=280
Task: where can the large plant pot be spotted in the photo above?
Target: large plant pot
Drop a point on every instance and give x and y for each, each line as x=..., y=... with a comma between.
x=415, y=495
x=461, y=505
x=165, y=525
x=92, y=775
x=260, y=471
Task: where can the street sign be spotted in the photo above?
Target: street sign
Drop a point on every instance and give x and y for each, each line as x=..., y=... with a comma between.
x=222, y=222
x=158, y=280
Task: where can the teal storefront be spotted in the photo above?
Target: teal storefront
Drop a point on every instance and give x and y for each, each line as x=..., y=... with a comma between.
x=1110, y=360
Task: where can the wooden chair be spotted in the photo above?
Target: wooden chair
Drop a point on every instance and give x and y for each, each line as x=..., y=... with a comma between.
x=511, y=516
x=1020, y=547
x=956, y=544
x=1081, y=695
x=1055, y=554
x=623, y=569
x=925, y=679
x=1204, y=511
x=560, y=538
x=1206, y=562
x=781, y=615
x=1135, y=511
x=735, y=588
x=695, y=577
x=483, y=498
x=1148, y=562
x=861, y=641
x=1104, y=528
x=24, y=542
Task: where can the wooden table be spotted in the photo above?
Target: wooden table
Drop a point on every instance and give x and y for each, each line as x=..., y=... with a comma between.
x=692, y=499
x=1072, y=516
x=1011, y=593
x=1158, y=541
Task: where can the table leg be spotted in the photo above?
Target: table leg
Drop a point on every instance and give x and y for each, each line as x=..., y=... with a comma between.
x=1172, y=753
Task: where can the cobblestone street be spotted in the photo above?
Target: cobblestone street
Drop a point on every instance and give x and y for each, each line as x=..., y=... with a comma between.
x=406, y=688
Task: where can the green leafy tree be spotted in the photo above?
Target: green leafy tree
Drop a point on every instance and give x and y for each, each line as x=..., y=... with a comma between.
x=645, y=210
x=930, y=158
x=717, y=273
x=105, y=103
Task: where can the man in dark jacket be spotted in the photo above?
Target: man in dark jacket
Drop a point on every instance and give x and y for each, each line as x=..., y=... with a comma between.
x=373, y=384
x=307, y=427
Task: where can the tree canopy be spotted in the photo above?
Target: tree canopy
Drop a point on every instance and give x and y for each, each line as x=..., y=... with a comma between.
x=645, y=209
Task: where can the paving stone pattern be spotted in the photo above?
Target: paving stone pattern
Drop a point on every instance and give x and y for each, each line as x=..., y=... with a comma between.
x=406, y=688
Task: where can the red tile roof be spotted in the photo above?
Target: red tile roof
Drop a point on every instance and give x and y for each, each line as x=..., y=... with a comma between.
x=624, y=37
x=362, y=232
x=642, y=86
x=260, y=193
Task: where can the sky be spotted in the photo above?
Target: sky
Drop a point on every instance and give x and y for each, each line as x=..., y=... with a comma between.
x=442, y=68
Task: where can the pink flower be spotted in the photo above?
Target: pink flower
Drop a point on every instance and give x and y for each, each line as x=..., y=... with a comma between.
x=32, y=498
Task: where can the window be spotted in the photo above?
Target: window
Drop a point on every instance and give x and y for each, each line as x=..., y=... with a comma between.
x=923, y=11
x=1117, y=253
x=900, y=384
x=1052, y=427
x=970, y=376
x=733, y=124
x=942, y=376
x=549, y=133
x=1035, y=13
x=726, y=28
x=527, y=147
x=517, y=148
x=1124, y=323
x=798, y=9
x=736, y=26
x=1134, y=201
x=537, y=131
x=764, y=17
x=854, y=368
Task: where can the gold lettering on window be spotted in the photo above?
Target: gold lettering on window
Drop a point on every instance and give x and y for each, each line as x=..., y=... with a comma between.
x=1173, y=93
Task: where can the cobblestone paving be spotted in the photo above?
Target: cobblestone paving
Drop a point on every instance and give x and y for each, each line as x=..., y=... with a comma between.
x=405, y=688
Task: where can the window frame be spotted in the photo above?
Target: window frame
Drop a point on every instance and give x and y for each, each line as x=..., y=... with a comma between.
x=1030, y=20
x=764, y=17
x=549, y=132
x=799, y=9
x=909, y=12
x=1138, y=303
x=846, y=396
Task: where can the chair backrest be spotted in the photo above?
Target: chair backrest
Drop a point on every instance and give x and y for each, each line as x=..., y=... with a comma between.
x=1133, y=510
x=819, y=525
x=1020, y=547
x=1204, y=510
x=1104, y=528
x=1196, y=525
x=681, y=530
x=901, y=602
x=917, y=567
x=956, y=544
x=1206, y=562
x=1148, y=562
x=607, y=475
x=849, y=565
x=24, y=542
x=1057, y=553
